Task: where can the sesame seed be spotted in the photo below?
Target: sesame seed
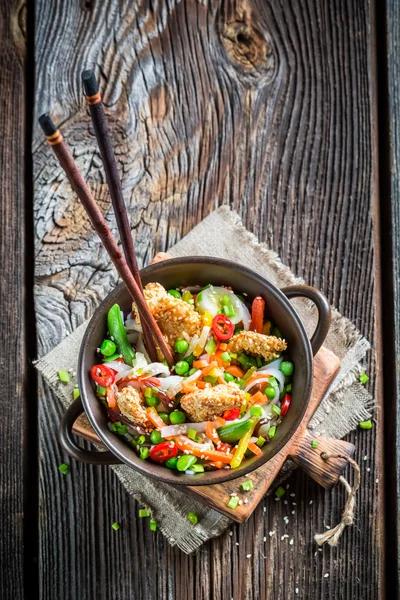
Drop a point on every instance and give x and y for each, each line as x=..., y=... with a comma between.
x=248, y=555
x=376, y=480
x=292, y=495
x=291, y=542
x=265, y=509
x=294, y=503
x=293, y=512
x=265, y=539
x=368, y=469
x=237, y=543
x=245, y=501
x=69, y=370
x=271, y=533
x=297, y=590
x=326, y=575
x=285, y=502
x=277, y=499
x=365, y=457
x=231, y=533
x=310, y=502
x=327, y=526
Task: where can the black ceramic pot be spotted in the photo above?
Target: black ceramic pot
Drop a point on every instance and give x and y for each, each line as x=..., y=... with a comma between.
x=200, y=271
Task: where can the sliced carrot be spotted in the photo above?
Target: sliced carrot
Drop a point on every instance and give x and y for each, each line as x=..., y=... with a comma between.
x=155, y=418
x=201, y=450
x=200, y=364
x=258, y=398
x=211, y=433
x=221, y=380
x=223, y=347
x=202, y=385
x=254, y=448
x=188, y=388
x=216, y=464
x=209, y=368
x=235, y=371
x=111, y=398
x=219, y=422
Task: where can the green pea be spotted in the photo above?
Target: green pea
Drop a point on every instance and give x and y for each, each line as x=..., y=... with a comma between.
x=177, y=417
x=164, y=416
x=108, y=348
x=228, y=377
x=185, y=462
x=270, y=392
x=155, y=437
x=181, y=367
x=171, y=462
x=286, y=368
x=181, y=346
x=174, y=293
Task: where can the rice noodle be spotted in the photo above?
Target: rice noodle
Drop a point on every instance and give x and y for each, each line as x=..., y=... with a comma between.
x=192, y=345
x=274, y=373
x=170, y=430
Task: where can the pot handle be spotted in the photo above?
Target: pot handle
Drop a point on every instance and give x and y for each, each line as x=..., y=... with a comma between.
x=68, y=444
x=324, y=311
x=311, y=461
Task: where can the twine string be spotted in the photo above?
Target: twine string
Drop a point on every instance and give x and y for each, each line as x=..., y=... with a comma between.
x=332, y=535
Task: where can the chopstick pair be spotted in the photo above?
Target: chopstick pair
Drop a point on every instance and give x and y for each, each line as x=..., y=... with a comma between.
x=127, y=268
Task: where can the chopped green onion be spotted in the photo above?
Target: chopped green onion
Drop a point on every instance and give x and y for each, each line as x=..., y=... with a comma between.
x=276, y=332
x=171, y=462
x=229, y=311
x=364, y=378
x=143, y=512
x=101, y=390
x=144, y=452
x=288, y=388
x=187, y=295
x=314, y=444
x=148, y=392
x=114, y=427
x=63, y=376
x=64, y=469
x=247, y=485
x=108, y=348
x=122, y=429
x=197, y=468
x=174, y=293
x=261, y=441
x=193, y=518
x=256, y=411
x=192, y=434
x=192, y=371
x=153, y=524
x=211, y=346
x=75, y=393
x=276, y=410
x=141, y=440
x=225, y=300
x=279, y=492
x=366, y=424
x=233, y=355
x=210, y=379
x=199, y=297
x=226, y=357
x=115, y=526
x=271, y=432
x=233, y=502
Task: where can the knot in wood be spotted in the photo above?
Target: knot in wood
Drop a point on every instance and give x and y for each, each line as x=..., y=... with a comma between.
x=247, y=48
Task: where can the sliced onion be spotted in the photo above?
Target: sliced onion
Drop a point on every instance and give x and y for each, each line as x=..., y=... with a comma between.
x=274, y=364
x=203, y=339
x=131, y=325
x=205, y=357
x=211, y=302
x=172, y=384
x=170, y=430
x=194, y=376
x=192, y=345
x=246, y=318
x=156, y=368
x=120, y=367
x=140, y=347
x=186, y=336
x=261, y=379
x=274, y=373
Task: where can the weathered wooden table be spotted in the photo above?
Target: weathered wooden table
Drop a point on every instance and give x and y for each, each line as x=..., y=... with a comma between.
x=270, y=107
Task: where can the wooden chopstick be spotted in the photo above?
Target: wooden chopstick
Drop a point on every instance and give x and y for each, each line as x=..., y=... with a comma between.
x=84, y=194
x=103, y=137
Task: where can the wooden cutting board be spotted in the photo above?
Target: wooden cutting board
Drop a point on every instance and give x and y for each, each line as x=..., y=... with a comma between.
x=326, y=473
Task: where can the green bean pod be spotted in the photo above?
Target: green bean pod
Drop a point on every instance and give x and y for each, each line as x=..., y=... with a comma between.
x=119, y=335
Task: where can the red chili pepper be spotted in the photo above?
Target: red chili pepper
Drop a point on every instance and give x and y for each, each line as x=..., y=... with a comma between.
x=232, y=414
x=257, y=314
x=102, y=375
x=285, y=404
x=164, y=451
x=222, y=327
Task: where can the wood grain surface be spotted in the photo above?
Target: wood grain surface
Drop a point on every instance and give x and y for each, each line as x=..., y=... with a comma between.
x=13, y=353
x=265, y=106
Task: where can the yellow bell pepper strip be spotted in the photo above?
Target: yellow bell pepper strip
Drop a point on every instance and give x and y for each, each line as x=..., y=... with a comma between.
x=202, y=450
x=243, y=444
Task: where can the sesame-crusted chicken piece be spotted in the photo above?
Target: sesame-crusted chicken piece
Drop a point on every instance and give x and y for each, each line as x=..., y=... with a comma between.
x=131, y=404
x=256, y=344
x=174, y=316
x=206, y=404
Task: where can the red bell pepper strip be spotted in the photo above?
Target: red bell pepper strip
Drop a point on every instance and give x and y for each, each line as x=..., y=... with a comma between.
x=232, y=414
x=257, y=314
x=285, y=404
x=102, y=375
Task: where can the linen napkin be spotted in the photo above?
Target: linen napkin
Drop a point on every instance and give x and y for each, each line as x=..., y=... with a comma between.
x=345, y=404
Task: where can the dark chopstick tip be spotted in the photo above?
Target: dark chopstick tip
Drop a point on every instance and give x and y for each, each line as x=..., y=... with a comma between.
x=89, y=82
x=47, y=124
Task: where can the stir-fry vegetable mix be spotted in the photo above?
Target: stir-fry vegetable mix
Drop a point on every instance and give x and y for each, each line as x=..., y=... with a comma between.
x=230, y=388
